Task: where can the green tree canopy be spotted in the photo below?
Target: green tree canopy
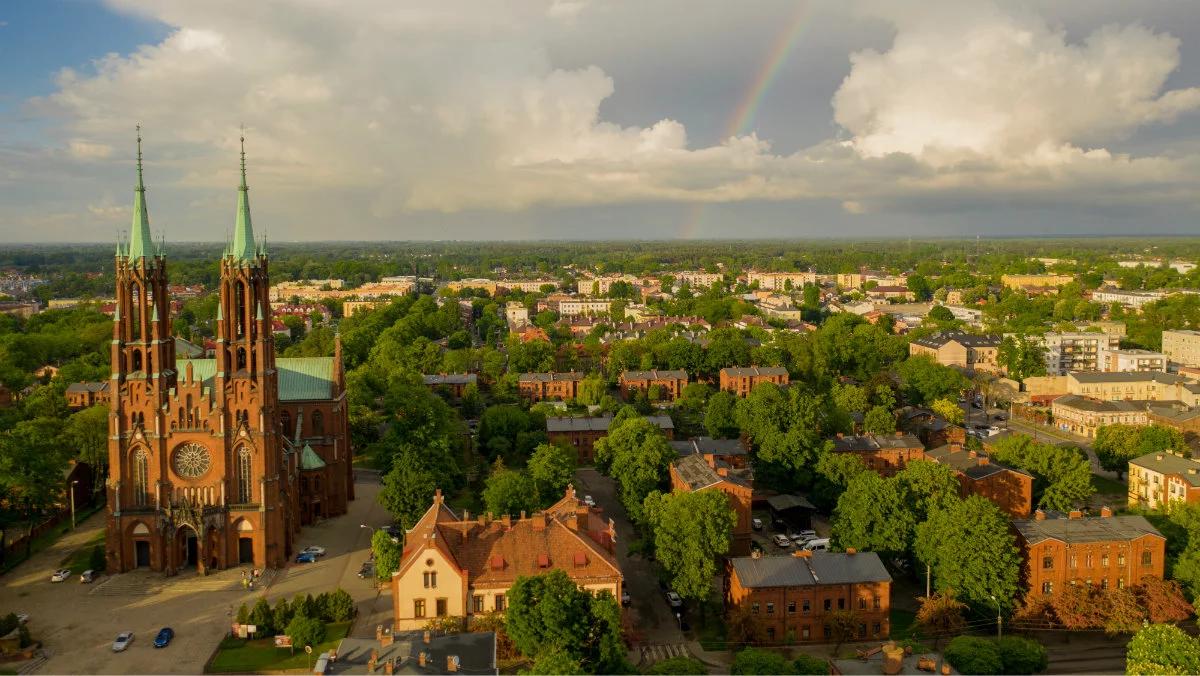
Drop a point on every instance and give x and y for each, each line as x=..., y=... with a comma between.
x=549, y=612
x=636, y=455
x=970, y=550
x=719, y=419
x=1162, y=649
x=691, y=530
x=551, y=468
x=1116, y=445
x=872, y=515
x=925, y=380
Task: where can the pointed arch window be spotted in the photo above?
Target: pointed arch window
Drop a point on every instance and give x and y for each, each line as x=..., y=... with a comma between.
x=245, y=486
x=141, y=478
x=135, y=318
x=318, y=424
x=285, y=422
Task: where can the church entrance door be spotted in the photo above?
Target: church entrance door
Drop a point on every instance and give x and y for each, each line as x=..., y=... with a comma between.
x=141, y=553
x=189, y=547
x=245, y=550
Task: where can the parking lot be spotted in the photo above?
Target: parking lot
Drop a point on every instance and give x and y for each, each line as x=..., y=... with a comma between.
x=765, y=538
x=77, y=623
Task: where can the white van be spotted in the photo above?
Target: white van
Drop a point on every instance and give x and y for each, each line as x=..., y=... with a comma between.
x=818, y=545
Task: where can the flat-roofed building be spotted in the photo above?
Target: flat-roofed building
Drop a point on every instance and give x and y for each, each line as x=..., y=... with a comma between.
x=1181, y=346
x=582, y=434
x=1107, y=551
x=539, y=386
x=1074, y=350
x=1134, y=386
x=969, y=351
x=669, y=382
x=699, y=280
x=793, y=596
x=1158, y=479
x=1083, y=416
x=741, y=380
x=1130, y=298
x=1042, y=281
x=780, y=281
x=881, y=453
x=1009, y=488
x=1132, y=360
x=573, y=307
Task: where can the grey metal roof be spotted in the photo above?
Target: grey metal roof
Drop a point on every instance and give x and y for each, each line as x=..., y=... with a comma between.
x=1169, y=463
x=709, y=445
x=654, y=375
x=803, y=571
x=1098, y=406
x=450, y=378
x=549, y=377
x=695, y=472
x=98, y=386
x=788, y=501
x=937, y=340
x=974, y=464
x=1085, y=529
x=875, y=442
x=738, y=371
x=598, y=423
x=1100, y=377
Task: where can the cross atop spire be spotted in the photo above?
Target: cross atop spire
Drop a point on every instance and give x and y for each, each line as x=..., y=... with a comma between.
x=242, y=246
x=140, y=240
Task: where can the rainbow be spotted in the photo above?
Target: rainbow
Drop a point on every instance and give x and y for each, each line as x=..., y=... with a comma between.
x=742, y=119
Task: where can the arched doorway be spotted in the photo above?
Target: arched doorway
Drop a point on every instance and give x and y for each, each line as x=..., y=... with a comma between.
x=140, y=534
x=245, y=535
x=187, y=547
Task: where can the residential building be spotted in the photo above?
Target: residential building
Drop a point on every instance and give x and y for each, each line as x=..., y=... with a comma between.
x=353, y=307
x=83, y=395
x=1074, y=351
x=1009, y=488
x=516, y=315
x=882, y=453
x=1107, y=551
x=1181, y=347
x=968, y=351
x=598, y=286
x=891, y=293
x=695, y=472
x=1176, y=415
x=526, y=285
x=488, y=285
x=670, y=383
x=781, y=281
x=1021, y=282
x=1083, y=415
x=1159, y=479
x=457, y=567
x=454, y=383
x=583, y=433
x=741, y=380
x=780, y=307
x=730, y=452
x=24, y=310
x=539, y=386
x=1134, y=386
x=1124, y=361
x=698, y=279
x=572, y=307
x=792, y=596
x=1130, y=298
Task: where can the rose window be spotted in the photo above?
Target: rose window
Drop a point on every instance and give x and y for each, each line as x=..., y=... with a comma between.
x=191, y=460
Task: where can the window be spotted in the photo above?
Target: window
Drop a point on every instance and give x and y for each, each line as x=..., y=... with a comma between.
x=1120, y=583
x=770, y=633
x=1104, y=561
x=875, y=628
x=418, y=607
x=1147, y=559
x=477, y=603
x=1120, y=559
x=245, y=486
x=770, y=608
x=431, y=579
x=828, y=632
x=791, y=607
x=862, y=604
x=1047, y=587
x=862, y=630
x=1088, y=561
x=805, y=633
x=807, y=606
x=441, y=607
x=318, y=424
x=828, y=605
x=754, y=607
x=141, y=479
x=1074, y=561
x=1104, y=583
x=499, y=601
x=841, y=604
x=285, y=422
x=875, y=603
x=1047, y=563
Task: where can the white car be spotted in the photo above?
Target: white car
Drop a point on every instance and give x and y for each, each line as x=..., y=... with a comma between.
x=314, y=550
x=781, y=540
x=674, y=600
x=589, y=501
x=22, y=617
x=122, y=641
x=60, y=575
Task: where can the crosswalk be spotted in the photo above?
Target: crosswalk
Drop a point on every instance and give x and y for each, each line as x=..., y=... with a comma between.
x=661, y=651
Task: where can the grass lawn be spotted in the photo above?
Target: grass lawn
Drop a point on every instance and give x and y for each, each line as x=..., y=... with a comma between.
x=1106, y=486
x=903, y=622
x=236, y=656
x=80, y=559
x=48, y=538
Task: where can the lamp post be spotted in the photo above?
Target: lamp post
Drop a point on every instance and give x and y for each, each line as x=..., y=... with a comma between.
x=72, y=490
x=997, y=615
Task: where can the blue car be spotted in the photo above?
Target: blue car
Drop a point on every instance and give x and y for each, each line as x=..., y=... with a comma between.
x=164, y=637
x=306, y=557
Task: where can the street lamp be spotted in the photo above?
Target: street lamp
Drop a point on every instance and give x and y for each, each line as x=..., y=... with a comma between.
x=73, y=483
x=997, y=615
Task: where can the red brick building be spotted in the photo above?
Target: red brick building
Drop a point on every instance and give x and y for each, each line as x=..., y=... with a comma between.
x=83, y=395
x=1010, y=489
x=582, y=434
x=741, y=381
x=695, y=472
x=790, y=596
x=454, y=383
x=538, y=386
x=884, y=454
x=670, y=383
x=215, y=462
x=1109, y=551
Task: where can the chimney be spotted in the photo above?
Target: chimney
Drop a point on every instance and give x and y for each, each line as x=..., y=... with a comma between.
x=1039, y=515
x=427, y=637
x=1075, y=514
x=583, y=521
x=573, y=522
x=421, y=659
x=466, y=515
x=451, y=664
x=539, y=521
x=522, y=515
x=851, y=551
x=1105, y=512
x=570, y=494
x=723, y=471
x=437, y=497
x=983, y=460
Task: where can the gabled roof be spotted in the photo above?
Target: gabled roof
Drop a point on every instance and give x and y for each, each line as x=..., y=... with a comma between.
x=598, y=423
x=549, y=377
x=751, y=371
x=300, y=378
x=309, y=459
x=1169, y=463
x=654, y=375
x=876, y=442
x=1086, y=529
x=450, y=378
x=822, y=568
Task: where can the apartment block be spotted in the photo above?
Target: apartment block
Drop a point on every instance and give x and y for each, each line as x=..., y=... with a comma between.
x=455, y=383
x=1132, y=360
x=1021, y=282
x=1109, y=551
x=602, y=285
x=1074, y=351
x=741, y=380
x=670, y=383
x=698, y=279
x=1158, y=479
x=882, y=453
x=1083, y=416
x=1181, y=347
x=791, y=596
x=967, y=351
x=781, y=281
x=574, y=307
x=1129, y=298
x=1135, y=386
x=538, y=386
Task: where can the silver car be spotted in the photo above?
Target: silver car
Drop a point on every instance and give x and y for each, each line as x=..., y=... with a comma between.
x=122, y=642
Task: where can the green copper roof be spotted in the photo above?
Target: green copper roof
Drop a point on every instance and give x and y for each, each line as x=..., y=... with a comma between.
x=300, y=378
x=309, y=459
x=242, y=247
x=139, y=235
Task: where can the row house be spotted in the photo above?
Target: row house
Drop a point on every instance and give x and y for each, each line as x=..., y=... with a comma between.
x=791, y=597
x=670, y=383
x=1109, y=551
x=1135, y=386
x=742, y=380
x=1008, y=488
x=458, y=567
x=696, y=472
x=1084, y=416
x=582, y=434
x=968, y=351
x=1160, y=479
x=540, y=386
x=881, y=453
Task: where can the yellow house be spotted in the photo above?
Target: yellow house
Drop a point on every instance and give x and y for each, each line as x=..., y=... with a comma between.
x=458, y=567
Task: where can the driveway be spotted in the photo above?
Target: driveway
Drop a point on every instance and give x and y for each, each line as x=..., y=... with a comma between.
x=76, y=623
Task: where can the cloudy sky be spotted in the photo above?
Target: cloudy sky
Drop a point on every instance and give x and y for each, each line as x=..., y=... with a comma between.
x=593, y=119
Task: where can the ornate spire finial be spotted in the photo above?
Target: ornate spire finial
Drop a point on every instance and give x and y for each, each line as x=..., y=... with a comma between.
x=243, y=142
x=242, y=247
x=140, y=187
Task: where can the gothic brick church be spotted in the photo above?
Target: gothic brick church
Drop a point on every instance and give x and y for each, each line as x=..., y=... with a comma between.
x=216, y=462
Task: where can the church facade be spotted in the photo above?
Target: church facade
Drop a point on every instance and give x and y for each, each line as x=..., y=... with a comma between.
x=216, y=462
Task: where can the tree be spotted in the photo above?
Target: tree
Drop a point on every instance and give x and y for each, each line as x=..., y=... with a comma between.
x=1163, y=600
x=879, y=420
x=87, y=432
x=759, y=661
x=849, y=398
x=940, y=313
x=637, y=456
x=96, y=560
x=1116, y=445
x=338, y=606
x=807, y=664
x=1062, y=475
x=408, y=489
x=1079, y=606
x=842, y=625
x=677, y=665
x=1020, y=655
x=551, y=468
x=928, y=486
x=387, y=555
x=974, y=655
x=970, y=550
x=509, y=492
x=719, y=420
x=872, y=516
x=549, y=611
x=1162, y=649
x=554, y=661
x=947, y=410
x=925, y=380
x=591, y=389
x=305, y=631
x=690, y=531
x=243, y=614
x=1021, y=357
x=262, y=616
x=941, y=615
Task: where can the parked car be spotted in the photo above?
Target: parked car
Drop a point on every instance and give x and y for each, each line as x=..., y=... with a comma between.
x=122, y=641
x=22, y=618
x=809, y=533
x=1000, y=416
x=756, y=524
x=781, y=540
x=60, y=575
x=589, y=501
x=674, y=600
x=314, y=550
x=818, y=545
x=367, y=569
x=306, y=557
x=163, y=639
x=395, y=532
x=87, y=577
x=626, y=599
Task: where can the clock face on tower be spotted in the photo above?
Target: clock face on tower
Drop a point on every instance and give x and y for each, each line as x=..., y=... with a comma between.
x=191, y=460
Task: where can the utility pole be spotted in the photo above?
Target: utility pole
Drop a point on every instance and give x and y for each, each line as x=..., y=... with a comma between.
x=73, y=483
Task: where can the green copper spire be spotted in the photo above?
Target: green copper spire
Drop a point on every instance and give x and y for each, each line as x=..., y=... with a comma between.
x=242, y=247
x=140, y=240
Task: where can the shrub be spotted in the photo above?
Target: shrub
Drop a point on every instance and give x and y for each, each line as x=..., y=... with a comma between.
x=243, y=614
x=97, y=561
x=306, y=631
x=678, y=665
x=338, y=607
x=1020, y=655
x=756, y=661
x=973, y=655
x=807, y=664
x=263, y=617
x=283, y=614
